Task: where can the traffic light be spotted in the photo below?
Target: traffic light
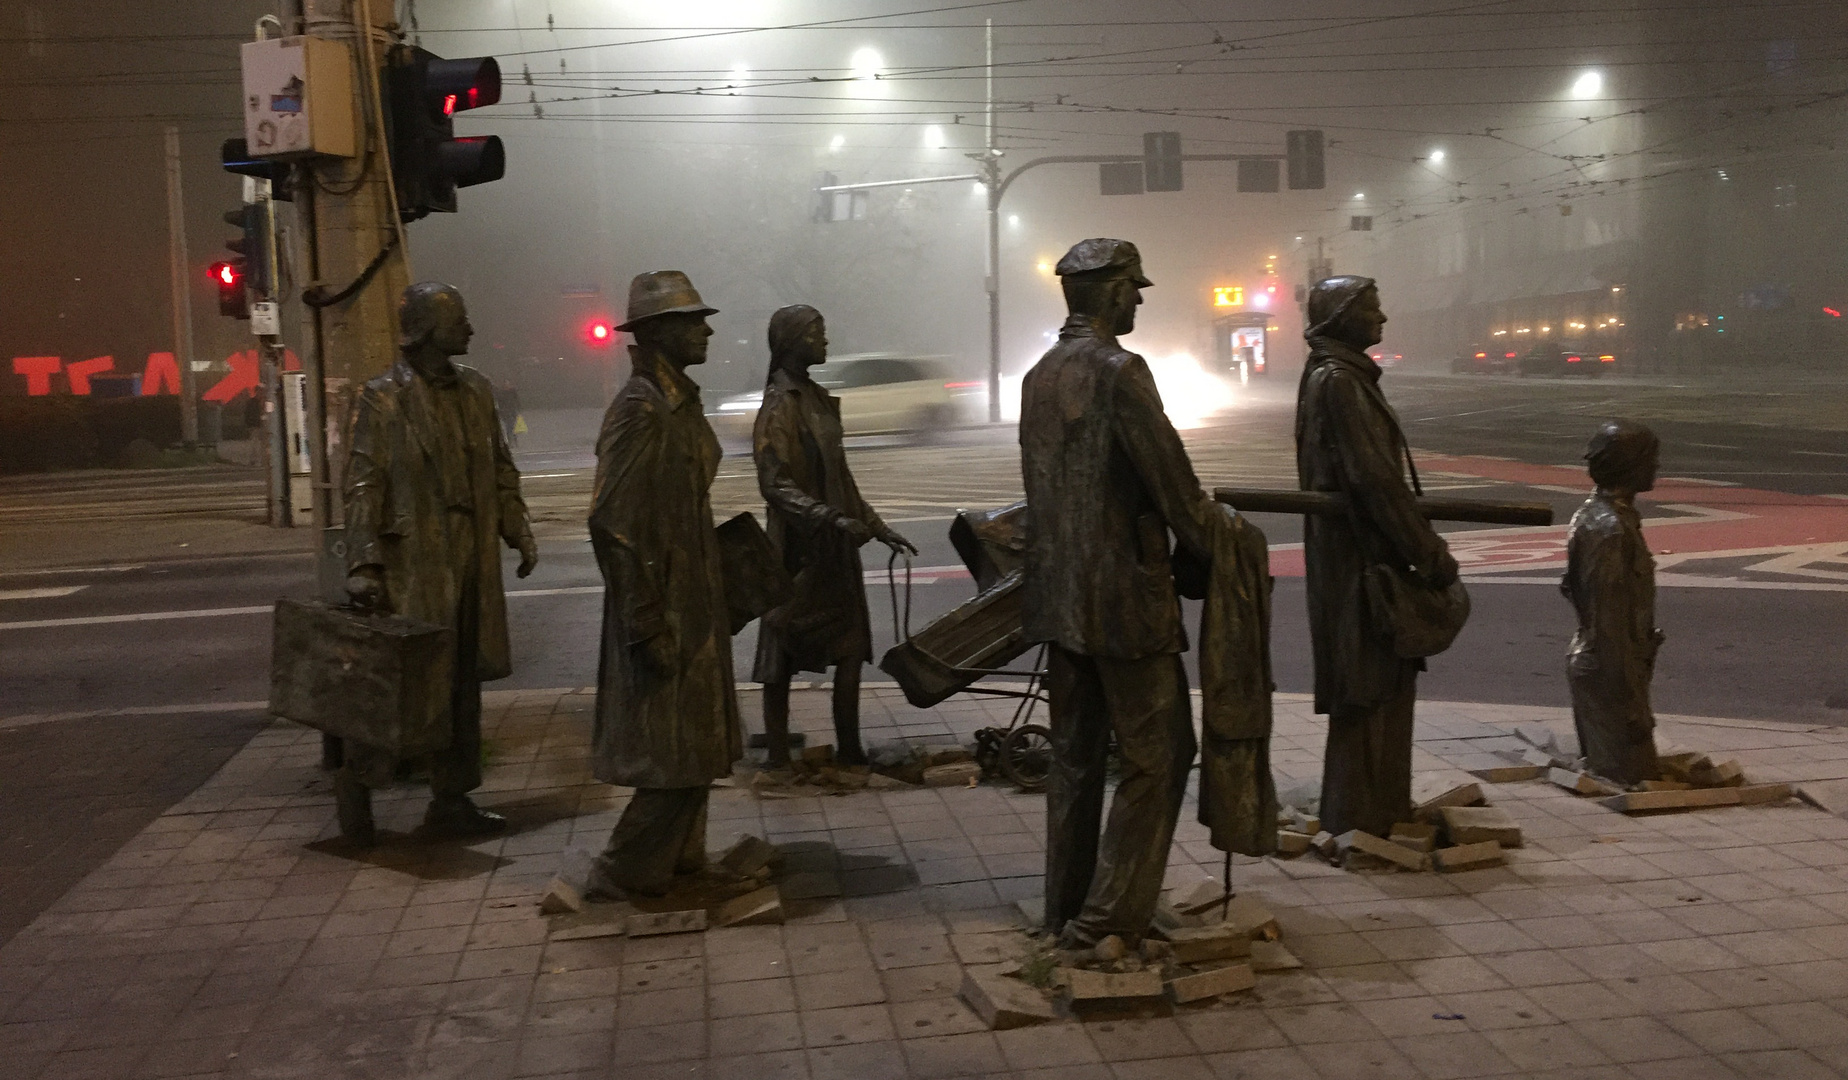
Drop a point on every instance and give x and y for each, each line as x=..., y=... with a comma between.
x=236, y=158
x=1303, y=151
x=428, y=161
x=599, y=333
x=233, y=302
x=1161, y=161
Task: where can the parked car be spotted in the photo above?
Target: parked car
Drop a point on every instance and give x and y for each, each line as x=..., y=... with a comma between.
x=1563, y=358
x=1482, y=360
x=880, y=394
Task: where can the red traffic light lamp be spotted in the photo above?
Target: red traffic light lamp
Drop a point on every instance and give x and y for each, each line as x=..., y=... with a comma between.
x=599, y=332
x=228, y=276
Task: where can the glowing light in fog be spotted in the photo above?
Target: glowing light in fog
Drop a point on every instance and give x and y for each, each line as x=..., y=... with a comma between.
x=1360, y=194
x=1588, y=85
x=867, y=64
x=837, y=142
x=1437, y=157
x=1013, y=220
x=1190, y=394
x=933, y=138
x=739, y=73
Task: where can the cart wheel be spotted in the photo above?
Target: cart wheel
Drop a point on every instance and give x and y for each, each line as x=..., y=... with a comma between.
x=1026, y=756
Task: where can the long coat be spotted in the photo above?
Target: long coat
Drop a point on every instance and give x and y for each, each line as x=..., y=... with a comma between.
x=1610, y=579
x=1107, y=479
x=651, y=527
x=807, y=486
x=1348, y=440
x=403, y=476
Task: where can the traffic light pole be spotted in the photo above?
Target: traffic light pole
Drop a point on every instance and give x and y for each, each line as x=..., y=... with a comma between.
x=179, y=268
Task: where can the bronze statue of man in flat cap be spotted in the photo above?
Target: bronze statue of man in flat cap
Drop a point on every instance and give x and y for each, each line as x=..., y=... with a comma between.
x=818, y=522
x=431, y=492
x=1107, y=483
x=1610, y=579
x=667, y=719
x=1348, y=440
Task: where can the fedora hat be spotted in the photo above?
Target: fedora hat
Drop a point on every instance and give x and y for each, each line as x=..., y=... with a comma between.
x=663, y=292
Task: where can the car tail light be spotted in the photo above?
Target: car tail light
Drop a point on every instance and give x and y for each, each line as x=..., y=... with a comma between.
x=1508, y=356
x=1572, y=359
x=961, y=385
x=1608, y=359
x=1482, y=356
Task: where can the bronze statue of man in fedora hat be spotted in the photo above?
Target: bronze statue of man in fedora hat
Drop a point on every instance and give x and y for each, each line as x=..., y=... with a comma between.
x=667, y=720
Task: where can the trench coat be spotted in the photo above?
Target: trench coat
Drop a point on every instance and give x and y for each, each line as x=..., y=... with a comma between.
x=1107, y=480
x=1238, y=797
x=1610, y=579
x=651, y=527
x=1348, y=440
x=398, y=508
x=808, y=488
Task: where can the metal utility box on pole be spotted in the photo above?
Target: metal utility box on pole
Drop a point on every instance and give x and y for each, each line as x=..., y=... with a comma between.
x=179, y=270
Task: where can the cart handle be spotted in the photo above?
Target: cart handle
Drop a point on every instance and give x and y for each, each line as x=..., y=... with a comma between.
x=892, y=590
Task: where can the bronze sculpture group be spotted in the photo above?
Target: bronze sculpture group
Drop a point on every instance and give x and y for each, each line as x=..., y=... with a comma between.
x=1119, y=531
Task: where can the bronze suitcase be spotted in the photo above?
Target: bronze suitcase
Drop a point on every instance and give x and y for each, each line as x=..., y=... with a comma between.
x=379, y=680
x=952, y=653
x=755, y=578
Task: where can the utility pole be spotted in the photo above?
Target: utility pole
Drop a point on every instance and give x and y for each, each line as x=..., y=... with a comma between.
x=351, y=229
x=179, y=271
x=991, y=170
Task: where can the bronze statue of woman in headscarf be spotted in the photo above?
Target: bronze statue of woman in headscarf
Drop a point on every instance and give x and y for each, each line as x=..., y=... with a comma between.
x=818, y=521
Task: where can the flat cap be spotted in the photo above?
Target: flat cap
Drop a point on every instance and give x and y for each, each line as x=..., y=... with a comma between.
x=1103, y=259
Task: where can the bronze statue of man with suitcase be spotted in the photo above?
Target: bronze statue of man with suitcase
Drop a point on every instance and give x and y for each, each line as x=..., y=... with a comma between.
x=431, y=492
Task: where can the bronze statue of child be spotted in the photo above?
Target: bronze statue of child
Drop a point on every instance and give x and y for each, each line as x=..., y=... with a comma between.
x=1610, y=579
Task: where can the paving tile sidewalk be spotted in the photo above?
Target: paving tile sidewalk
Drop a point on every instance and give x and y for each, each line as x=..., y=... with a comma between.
x=234, y=937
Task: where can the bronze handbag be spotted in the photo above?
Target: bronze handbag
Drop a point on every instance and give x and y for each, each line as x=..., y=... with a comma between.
x=1414, y=618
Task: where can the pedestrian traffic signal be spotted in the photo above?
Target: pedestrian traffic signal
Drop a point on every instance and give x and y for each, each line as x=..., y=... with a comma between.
x=1303, y=151
x=428, y=161
x=228, y=276
x=1161, y=161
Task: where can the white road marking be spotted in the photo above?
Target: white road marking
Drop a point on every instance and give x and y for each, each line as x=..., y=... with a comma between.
x=119, y=569
x=32, y=719
x=41, y=594
x=138, y=616
x=1677, y=581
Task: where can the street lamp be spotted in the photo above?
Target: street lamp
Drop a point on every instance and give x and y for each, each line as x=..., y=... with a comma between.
x=933, y=138
x=837, y=142
x=1588, y=85
x=867, y=64
x=1436, y=157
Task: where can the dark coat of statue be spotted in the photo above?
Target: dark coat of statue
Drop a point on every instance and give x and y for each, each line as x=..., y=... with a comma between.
x=414, y=456
x=818, y=520
x=1107, y=482
x=675, y=723
x=431, y=493
x=1610, y=579
x=1348, y=440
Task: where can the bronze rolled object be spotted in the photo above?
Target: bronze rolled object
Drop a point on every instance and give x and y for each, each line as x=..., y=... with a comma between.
x=1270, y=501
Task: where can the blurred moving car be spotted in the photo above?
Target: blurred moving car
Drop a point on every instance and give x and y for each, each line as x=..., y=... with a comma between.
x=1564, y=358
x=880, y=394
x=1385, y=359
x=1480, y=360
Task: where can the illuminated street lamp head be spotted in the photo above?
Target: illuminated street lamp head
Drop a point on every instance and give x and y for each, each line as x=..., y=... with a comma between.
x=1436, y=157
x=1588, y=85
x=837, y=142
x=867, y=64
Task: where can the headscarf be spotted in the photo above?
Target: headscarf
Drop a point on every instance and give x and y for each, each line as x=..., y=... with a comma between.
x=1617, y=450
x=787, y=325
x=1330, y=299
